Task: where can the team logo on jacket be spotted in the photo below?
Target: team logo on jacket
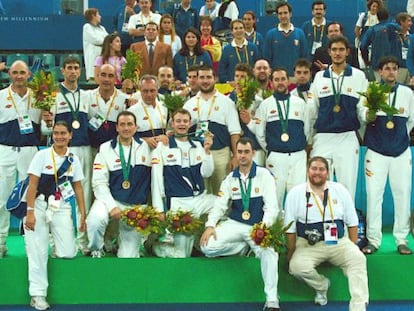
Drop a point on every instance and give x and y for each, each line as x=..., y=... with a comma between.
x=220, y=193
x=62, y=103
x=198, y=158
x=170, y=156
x=296, y=113
x=117, y=160
x=155, y=161
x=97, y=166
x=335, y=201
x=48, y=167
x=368, y=173
x=401, y=110
x=8, y=106
x=256, y=190
x=116, y=107
x=216, y=108
x=94, y=105
x=143, y=158
x=145, y=118
x=273, y=111
x=195, y=109
x=234, y=189
x=349, y=90
x=295, y=42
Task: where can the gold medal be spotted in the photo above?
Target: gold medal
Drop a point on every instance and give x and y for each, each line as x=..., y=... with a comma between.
x=126, y=184
x=389, y=125
x=284, y=137
x=246, y=215
x=75, y=124
x=337, y=108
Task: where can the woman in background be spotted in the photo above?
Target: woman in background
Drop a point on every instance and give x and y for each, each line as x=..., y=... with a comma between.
x=111, y=54
x=208, y=42
x=93, y=36
x=168, y=35
x=249, y=20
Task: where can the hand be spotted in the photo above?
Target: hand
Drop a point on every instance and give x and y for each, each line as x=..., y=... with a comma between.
x=30, y=221
x=208, y=142
x=82, y=225
x=412, y=81
x=2, y=66
x=234, y=163
x=115, y=213
x=129, y=10
x=232, y=83
x=320, y=65
x=132, y=101
x=245, y=116
x=151, y=141
x=210, y=231
x=162, y=138
x=161, y=217
x=48, y=117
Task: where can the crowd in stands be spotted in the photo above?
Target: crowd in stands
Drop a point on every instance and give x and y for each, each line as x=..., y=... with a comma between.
x=119, y=145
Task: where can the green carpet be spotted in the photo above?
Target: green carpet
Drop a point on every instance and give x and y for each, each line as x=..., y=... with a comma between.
x=193, y=280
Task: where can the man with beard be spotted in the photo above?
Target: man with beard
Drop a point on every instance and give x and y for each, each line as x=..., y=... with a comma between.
x=214, y=112
x=281, y=125
x=319, y=211
x=337, y=106
x=261, y=72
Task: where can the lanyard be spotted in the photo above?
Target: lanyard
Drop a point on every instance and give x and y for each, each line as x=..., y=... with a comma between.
x=110, y=105
x=283, y=119
x=55, y=171
x=209, y=109
x=246, y=55
x=14, y=103
x=186, y=61
x=75, y=111
x=315, y=28
x=316, y=199
x=245, y=194
x=126, y=167
x=253, y=35
x=149, y=118
x=337, y=93
x=392, y=104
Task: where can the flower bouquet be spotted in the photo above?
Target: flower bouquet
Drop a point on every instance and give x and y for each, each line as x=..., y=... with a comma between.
x=144, y=219
x=273, y=236
x=183, y=222
x=247, y=92
x=173, y=102
x=376, y=99
x=131, y=69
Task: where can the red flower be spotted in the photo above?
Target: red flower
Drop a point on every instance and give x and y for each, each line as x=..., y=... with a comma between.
x=259, y=235
x=143, y=223
x=176, y=224
x=132, y=214
x=187, y=219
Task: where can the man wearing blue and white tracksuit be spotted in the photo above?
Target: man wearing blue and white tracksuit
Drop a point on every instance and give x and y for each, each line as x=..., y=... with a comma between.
x=388, y=141
x=281, y=127
x=121, y=179
x=251, y=192
x=19, y=138
x=177, y=175
x=338, y=107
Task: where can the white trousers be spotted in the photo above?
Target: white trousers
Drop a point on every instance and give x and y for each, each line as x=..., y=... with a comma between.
x=399, y=170
x=289, y=170
x=84, y=153
x=37, y=241
x=129, y=239
x=233, y=238
x=14, y=163
x=342, y=152
x=183, y=243
x=345, y=255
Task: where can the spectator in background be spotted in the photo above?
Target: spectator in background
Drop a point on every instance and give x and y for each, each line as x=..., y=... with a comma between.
x=93, y=37
x=226, y=12
x=208, y=8
x=121, y=19
x=402, y=45
x=315, y=29
x=285, y=43
x=111, y=54
x=239, y=51
x=137, y=22
x=210, y=43
x=190, y=54
x=168, y=35
x=185, y=16
x=249, y=20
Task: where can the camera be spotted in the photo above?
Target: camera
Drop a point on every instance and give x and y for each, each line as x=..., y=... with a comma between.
x=313, y=236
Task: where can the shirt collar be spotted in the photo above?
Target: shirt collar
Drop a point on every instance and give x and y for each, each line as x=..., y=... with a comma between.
x=291, y=28
x=233, y=43
x=323, y=22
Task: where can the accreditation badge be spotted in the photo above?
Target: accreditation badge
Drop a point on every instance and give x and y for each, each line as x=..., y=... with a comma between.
x=96, y=122
x=25, y=124
x=330, y=231
x=67, y=191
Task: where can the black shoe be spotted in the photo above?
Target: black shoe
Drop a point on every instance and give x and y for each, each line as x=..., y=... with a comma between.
x=272, y=309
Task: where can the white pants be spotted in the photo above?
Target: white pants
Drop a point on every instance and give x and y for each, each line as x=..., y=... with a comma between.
x=129, y=239
x=14, y=163
x=342, y=152
x=398, y=169
x=289, y=170
x=37, y=241
x=232, y=238
x=84, y=153
x=183, y=244
x=221, y=169
x=345, y=255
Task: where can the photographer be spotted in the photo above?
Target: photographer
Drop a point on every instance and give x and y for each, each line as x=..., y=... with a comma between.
x=320, y=211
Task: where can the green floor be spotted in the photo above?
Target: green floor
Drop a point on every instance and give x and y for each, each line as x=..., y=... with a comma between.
x=193, y=280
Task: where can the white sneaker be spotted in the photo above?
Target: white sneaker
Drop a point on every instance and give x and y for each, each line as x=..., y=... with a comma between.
x=97, y=254
x=39, y=303
x=321, y=297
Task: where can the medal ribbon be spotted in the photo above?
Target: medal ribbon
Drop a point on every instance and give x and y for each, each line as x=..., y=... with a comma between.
x=149, y=118
x=315, y=31
x=246, y=55
x=209, y=109
x=55, y=171
x=392, y=104
x=337, y=94
x=126, y=167
x=315, y=198
x=186, y=61
x=246, y=194
x=283, y=119
x=75, y=111
x=110, y=105
x=14, y=103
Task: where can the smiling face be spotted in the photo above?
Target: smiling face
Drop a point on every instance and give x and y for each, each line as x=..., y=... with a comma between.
x=284, y=15
x=61, y=136
x=126, y=127
x=205, y=28
x=317, y=173
x=181, y=123
x=190, y=40
x=261, y=71
x=19, y=73
x=206, y=81
x=238, y=30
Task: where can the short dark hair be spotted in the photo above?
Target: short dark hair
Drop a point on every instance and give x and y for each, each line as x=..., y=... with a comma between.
x=245, y=141
x=387, y=59
x=319, y=2
x=339, y=39
x=341, y=27
x=245, y=68
x=319, y=159
x=383, y=14
x=194, y=67
x=206, y=68
x=302, y=62
x=63, y=123
x=182, y=111
x=71, y=60
x=280, y=4
x=402, y=17
x=279, y=69
x=126, y=113
x=152, y=23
